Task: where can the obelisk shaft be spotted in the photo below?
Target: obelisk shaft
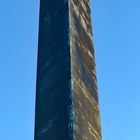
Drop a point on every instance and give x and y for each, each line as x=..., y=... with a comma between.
x=66, y=91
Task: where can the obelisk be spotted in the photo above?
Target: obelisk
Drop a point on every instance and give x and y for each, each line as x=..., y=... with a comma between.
x=66, y=92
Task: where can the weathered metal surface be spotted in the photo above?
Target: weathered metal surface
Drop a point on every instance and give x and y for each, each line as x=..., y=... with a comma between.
x=53, y=104
x=66, y=92
x=84, y=85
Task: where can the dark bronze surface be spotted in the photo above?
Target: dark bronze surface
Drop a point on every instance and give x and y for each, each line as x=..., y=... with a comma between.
x=66, y=92
x=84, y=85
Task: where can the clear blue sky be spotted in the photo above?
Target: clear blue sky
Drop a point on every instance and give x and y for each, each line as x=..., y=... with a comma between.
x=116, y=29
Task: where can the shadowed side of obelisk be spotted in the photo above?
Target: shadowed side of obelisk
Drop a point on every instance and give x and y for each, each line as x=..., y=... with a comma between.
x=53, y=91
x=84, y=85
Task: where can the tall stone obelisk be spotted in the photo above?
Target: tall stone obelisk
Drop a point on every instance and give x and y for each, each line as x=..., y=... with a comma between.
x=66, y=93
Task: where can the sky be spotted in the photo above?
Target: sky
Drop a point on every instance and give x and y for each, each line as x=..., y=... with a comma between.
x=117, y=50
